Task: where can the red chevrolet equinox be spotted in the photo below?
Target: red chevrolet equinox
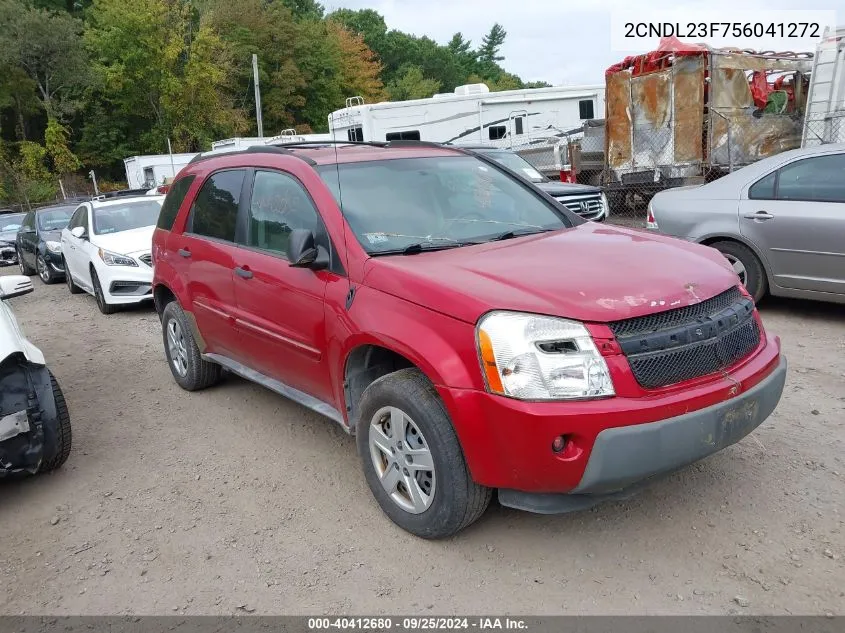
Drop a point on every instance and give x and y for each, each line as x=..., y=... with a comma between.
x=472, y=332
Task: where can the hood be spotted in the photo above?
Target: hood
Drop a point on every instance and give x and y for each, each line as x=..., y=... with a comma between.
x=9, y=237
x=558, y=189
x=51, y=236
x=127, y=242
x=590, y=272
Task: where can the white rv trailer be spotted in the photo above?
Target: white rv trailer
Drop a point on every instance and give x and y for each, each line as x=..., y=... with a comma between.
x=151, y=170
x=824, y=121
x=472, y=114
x=287, y=136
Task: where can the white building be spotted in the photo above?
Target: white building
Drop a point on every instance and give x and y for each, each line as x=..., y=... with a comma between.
x=472, y=114
x=151, y=170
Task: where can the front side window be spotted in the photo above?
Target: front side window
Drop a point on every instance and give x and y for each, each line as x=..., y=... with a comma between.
x=54, y=219
x=215, y=210
x=436, y=202
x=78, y=218
x=116, y=218
x=817, y=179
x=279, y=205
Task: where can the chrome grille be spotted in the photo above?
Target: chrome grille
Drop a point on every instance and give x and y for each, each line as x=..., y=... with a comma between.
x=677, y=345
x=587, y=206
x=147, y=258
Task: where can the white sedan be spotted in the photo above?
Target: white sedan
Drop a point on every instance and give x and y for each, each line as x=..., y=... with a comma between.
x=107, y=250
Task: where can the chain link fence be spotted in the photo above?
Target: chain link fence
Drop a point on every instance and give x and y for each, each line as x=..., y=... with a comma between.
x=649, y=158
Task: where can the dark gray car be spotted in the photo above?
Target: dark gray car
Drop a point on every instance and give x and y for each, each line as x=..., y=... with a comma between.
x=780, y=222
x=587, y=201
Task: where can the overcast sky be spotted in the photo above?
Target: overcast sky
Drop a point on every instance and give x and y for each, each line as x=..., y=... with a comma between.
x=558, y=41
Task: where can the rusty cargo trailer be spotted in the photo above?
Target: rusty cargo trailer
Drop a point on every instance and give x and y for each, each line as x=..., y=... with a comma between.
x=685, y=114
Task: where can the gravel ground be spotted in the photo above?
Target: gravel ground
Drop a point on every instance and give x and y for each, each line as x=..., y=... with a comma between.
x=235, y=500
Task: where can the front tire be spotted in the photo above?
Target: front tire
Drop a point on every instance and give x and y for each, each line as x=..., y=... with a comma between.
x=747, y=266
x=189, y=370
x=64, y=434
x=71, y=285
x=412, y=459
x=102, y=304
x=43, y=270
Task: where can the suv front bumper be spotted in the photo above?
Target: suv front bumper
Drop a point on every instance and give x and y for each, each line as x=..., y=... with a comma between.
x=612, y=444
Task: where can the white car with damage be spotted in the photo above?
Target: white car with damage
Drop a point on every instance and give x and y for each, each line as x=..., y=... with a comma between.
x=35, y=433
x=107, y=250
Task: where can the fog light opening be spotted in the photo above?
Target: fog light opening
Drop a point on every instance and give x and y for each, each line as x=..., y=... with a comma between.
x=559, y=444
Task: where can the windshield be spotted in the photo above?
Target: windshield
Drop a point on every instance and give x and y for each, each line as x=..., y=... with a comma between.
x=125, y=217
x=54, y=219
x=437, y=201
x=517, y=163
x=12, y=222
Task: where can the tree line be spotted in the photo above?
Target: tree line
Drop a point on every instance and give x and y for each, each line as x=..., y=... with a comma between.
x=86, y=83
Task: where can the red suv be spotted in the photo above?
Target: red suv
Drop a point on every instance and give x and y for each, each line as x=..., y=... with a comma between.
x=472, y=332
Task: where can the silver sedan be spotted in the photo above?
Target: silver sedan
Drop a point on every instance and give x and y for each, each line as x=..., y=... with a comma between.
x=780, y=222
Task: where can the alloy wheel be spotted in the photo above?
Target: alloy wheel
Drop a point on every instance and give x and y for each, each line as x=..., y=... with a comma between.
x=176, y=347
x=738, y=266
x=402, y=460
x=41, y=268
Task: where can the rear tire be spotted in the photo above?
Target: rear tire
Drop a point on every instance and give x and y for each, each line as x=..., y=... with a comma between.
x=71, y=286
x=64, y=434
x=189, y=370
x=454, y=500
x=26, y=269
x=105, y=308
x=747, y=266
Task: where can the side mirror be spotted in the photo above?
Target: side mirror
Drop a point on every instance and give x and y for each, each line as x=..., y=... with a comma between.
x=78, y=231
x=15, y=286
x=304, y=253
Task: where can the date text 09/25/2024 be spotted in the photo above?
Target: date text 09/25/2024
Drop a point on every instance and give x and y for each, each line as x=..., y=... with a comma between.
x=416, y=624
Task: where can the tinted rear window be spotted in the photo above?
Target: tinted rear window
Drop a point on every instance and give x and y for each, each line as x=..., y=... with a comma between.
x=175, y=196
x=215, y=210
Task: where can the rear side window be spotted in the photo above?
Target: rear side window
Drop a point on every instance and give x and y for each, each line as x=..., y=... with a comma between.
x=172, y=202
x=764, y=189
x=215, y=210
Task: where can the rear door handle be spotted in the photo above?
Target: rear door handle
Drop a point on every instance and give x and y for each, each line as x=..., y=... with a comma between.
x=759, y=215
x=184, y=252
x=244, y=272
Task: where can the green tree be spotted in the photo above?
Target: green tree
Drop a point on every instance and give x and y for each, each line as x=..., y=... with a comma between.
x=47, y=46
x=161, y=63
x=411, y=84
x=56, y=142
x=305, y=9
x=491, y=44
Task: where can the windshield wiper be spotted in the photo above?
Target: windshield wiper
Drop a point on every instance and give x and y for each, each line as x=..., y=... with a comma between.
x=511, y=234
x=419, y=247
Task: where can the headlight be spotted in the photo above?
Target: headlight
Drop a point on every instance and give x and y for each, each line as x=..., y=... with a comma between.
x=534, y=357
x=53, y=247
x=605, y=205
x=113, y=259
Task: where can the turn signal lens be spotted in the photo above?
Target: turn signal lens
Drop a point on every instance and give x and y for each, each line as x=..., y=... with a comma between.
x=488, y=361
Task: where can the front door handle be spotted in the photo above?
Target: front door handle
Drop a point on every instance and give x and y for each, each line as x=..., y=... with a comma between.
x=759, y=215
x=243, y=271
x=184, y=252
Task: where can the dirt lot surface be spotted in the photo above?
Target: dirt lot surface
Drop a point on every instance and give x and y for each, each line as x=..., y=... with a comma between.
x=235, y=500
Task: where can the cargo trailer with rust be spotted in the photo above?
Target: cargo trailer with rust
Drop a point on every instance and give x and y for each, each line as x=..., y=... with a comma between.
x=688, y=113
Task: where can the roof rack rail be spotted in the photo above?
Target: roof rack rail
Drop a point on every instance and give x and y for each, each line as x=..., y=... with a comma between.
x=122, y=193
x=254, y=149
